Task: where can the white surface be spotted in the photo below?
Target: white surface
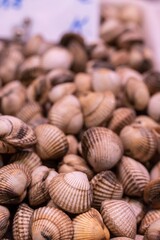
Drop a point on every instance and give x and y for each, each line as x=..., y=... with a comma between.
x=51, y=18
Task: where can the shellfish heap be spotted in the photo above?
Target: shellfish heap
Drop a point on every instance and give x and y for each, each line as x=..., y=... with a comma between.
x=80, y=135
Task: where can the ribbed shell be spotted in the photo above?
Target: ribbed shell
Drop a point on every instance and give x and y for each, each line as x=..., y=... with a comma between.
x=51, y=223
x=102, y=148
x=133, y=176
x=153, y=107
x=4, y=220
x=152, y=193
x=16, y=132
x=14, y=180
x=97, y=107
x=121, y=118
x=152, y=80
x=90, y=226
x=105, y=185
x=148, y=219
x=72, y=192
x=153, y=232
x=21, y=223
x=51, y=142
x=28, y=158
x=139, y=142
x=119, y=218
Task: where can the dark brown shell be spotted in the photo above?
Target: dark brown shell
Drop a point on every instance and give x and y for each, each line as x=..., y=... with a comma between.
x=152, y=80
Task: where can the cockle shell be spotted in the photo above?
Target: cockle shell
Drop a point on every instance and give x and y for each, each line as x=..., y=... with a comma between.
x=148, y=219
x=146, y=121
x=21, y=223
x=73, y=163
x=152, y=193
x=71, y=192
x=139, y=142
x=120, y=57
x=155, y=172
x=100, y=51
x=102, y=148
x=121, y=118
x=119, y=218
x=97, y=107
x=73, y=144
x=51, y=142
x=133, y=176
x=59, y=76
x=105, y=185
x=83, y=82
x=51, y=223
x=36, y=45
x=153, y=232
x=153, y=107
x=90, y=226
x=4, y=220
x=66, y=114
x=14, y=180
x=137, y=207
x=152, y=80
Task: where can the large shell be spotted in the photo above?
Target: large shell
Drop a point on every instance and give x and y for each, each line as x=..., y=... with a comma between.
x=73, y=163
x=102, y=148
x=139, y=142
x=14, y=180
x=51, y=142
x=21, y=223
x=105, y=186
x=72, y=192
x=16, y=133
x=152, y=193
x=66, y=114
x=97, y=107
x=133, y=176
x=119, y=218
x=153, y=232
x=51, y=223
x=153, y=107
x=121, y=118
x=148, y=219
x=152, y=80
x=90, y=226
x=4, y=220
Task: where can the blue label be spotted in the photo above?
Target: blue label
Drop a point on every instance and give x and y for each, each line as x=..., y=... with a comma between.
x=78, y=25
x=10, y=4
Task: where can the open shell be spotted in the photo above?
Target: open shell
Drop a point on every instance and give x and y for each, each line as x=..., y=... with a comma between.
x=4, y=220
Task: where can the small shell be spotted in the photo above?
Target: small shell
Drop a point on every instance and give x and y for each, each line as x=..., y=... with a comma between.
x=138, y=208
x=130, y=13
x=148, y=219
x=152, y=193
x=71, y=191
x=97, y=107
x=133, y=176
x=133, y=90
x=105, y=185
x=4, y=220
x=16, y=133
x=14, y=180
x=21, y=223
x=36, y=45
x=59, y=76
x=28, y=158
x=90, y=226
x=102, y=148
x=66, y=114
x=153, y=107
x=73, y=144
x=106, y=80
x=145, y=121
x=139, y=142
x=121, y=118
x=120, y=57
x=153, y=232
x=56, y=57
x=155, y=172
x=152, y=80
x=100, y=51
x=83, y=82
x=119, y=218
x=51, y=223
x=73, y=163
x=51, y=142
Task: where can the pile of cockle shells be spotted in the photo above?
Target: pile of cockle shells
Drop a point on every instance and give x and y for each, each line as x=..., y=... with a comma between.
x=80, y=136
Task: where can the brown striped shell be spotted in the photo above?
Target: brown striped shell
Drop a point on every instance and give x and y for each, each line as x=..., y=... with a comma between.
x=97, y=107
x=51, y=223
x=153, y=232
x=90, y=226
x=148, y=219
x=121, y=118
x=119, y=218
x=14, y=180
x=152, y=193
x=71, y=192
x=152, y=80
x=105, y=185
x=51, y=142
x=66, y=114
x=21, y=223
x=153, y=107
x=133, y=176
x=4, y=220
x=139, y=142
x=73, y=163
x=102, y=148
